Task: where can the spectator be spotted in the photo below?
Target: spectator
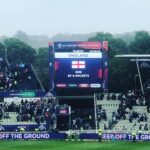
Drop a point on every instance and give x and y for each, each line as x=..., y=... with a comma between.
x=1, y=128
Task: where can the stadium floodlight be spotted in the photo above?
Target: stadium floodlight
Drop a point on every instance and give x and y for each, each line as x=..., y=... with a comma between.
x=132, y=55
x=139, y=59
x=136, y=59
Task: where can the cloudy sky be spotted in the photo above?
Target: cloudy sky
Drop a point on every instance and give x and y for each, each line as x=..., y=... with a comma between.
x=73, y=16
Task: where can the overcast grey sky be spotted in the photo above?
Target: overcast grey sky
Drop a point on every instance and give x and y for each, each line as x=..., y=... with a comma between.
x=73, y=16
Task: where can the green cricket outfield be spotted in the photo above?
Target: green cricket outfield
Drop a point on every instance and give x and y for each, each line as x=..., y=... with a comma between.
x=73, y=145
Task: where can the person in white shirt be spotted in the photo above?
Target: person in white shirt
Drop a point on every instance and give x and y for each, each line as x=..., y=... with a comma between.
x=1, y=128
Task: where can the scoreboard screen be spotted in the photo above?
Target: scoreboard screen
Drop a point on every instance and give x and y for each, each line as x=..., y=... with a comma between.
x=78, y=65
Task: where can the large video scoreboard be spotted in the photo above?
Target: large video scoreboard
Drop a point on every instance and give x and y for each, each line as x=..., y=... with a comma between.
x=78, y=65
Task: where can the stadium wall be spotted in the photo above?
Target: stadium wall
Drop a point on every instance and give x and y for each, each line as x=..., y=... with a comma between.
x=83, y=136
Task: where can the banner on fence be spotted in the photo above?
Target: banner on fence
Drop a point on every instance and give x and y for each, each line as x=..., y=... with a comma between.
x=116, y=136
x=106, y=136
x=32, y=135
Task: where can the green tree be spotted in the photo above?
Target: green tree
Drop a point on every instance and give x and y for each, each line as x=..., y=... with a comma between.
x=121, y=72
x=2, y=50
x=41, y=64
x=141, y=44
x=119, y=75
x=19, y=52
x=101, y=36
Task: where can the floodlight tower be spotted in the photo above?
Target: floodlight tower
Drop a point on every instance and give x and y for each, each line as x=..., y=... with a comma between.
x=137, y=58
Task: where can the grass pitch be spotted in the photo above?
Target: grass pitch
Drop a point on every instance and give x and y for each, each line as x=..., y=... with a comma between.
x=70, y=145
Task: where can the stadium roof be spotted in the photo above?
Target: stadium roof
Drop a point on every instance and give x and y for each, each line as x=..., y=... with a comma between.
x=133, y=55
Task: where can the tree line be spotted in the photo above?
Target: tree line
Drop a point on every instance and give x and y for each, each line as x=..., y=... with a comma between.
x=122, y=72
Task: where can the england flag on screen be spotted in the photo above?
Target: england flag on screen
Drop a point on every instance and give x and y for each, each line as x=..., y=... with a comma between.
x=78, y=64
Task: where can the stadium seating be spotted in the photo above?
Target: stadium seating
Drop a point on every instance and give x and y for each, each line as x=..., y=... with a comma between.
x=135, y=114
x=135, y=124
x=17, y=77
x=26, y=111
x=110, y=107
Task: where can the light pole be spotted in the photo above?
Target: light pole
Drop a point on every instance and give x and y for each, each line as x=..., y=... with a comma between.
x=135, y=81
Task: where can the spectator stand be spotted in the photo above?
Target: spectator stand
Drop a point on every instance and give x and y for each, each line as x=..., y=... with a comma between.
x=132, y=113
x=28, y=111
x=18, y=77
x=106, y=109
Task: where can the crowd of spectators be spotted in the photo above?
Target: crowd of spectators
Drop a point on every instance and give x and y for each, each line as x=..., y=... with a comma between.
x=136, y=96
x=40, y=111
x=101, y=114
x=17, y=77
x=124, y=111
x=3, y=110
x=128, y=100
x=144, y=127
x=84, y=120
x=140, y=117
x=102, y=96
